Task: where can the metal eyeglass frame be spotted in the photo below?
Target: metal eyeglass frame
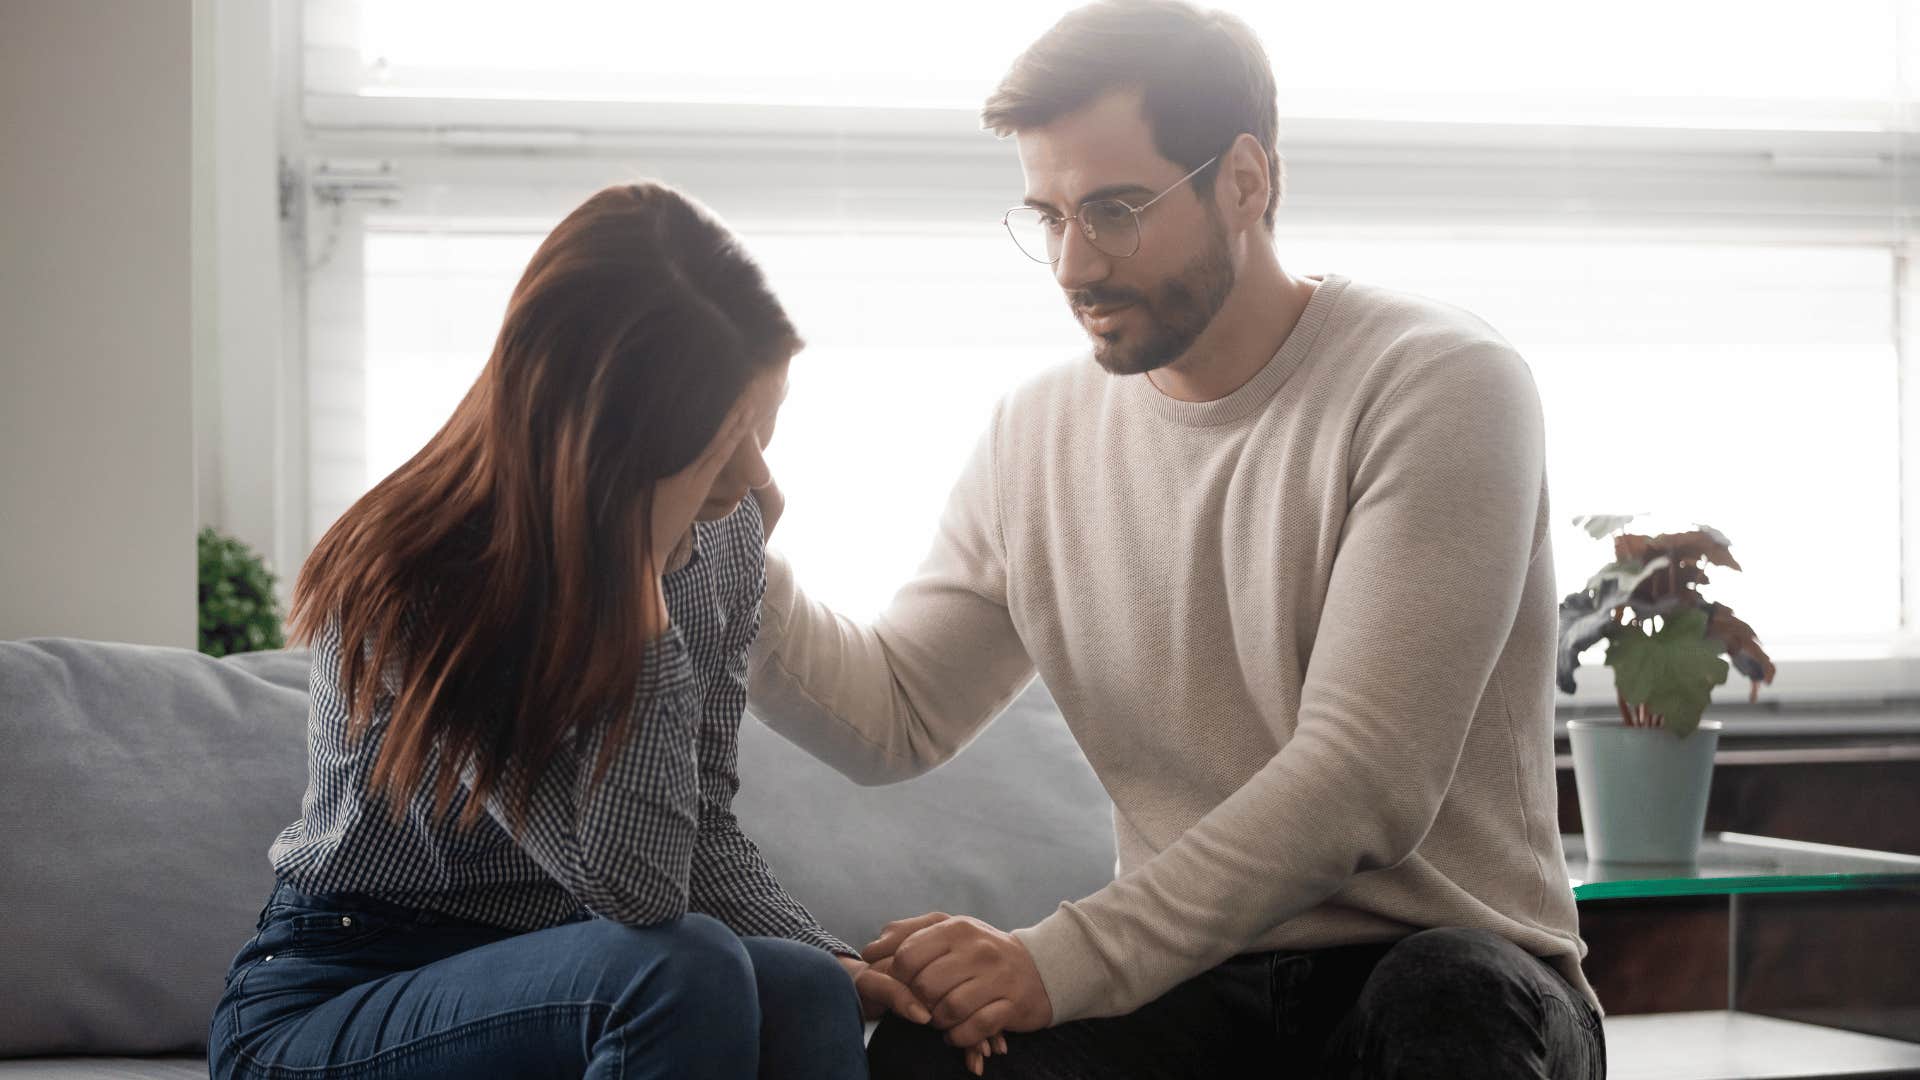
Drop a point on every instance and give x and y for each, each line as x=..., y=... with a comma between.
x=1087, y=230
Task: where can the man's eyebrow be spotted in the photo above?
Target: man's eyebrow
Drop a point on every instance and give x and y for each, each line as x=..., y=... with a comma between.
x=1111, y=191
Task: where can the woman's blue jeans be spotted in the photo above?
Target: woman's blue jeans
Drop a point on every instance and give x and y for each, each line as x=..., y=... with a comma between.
x=337, y=987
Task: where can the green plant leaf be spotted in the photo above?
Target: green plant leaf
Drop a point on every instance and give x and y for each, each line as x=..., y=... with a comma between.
x=1672, y=672
x=1587, y=616
x=238, y=611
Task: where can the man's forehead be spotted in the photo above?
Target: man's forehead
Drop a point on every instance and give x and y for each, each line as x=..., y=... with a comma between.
x=1100, y=145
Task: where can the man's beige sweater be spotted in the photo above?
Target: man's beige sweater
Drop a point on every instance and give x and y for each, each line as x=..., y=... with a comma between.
x=1304, y=633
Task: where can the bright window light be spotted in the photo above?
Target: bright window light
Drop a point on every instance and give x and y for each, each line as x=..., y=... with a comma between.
x=1701, y=63
x=1750, y=388
x=1739, y=373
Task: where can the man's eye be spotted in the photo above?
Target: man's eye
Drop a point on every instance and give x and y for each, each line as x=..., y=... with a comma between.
x=1053, y=223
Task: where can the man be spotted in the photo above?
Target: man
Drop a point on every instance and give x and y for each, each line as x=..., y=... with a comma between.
x=1281, y=555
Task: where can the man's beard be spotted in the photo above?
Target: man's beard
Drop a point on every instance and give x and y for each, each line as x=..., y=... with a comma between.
x=1176, y=311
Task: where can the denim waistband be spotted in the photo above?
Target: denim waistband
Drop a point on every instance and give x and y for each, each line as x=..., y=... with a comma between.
x=286, y=897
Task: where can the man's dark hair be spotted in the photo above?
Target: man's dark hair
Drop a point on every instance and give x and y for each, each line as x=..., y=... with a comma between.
x=1203, y=77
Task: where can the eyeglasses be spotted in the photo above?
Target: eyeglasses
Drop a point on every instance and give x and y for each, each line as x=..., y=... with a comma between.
x=1110, y=225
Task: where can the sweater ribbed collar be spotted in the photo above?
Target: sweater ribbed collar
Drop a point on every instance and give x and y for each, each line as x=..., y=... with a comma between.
x=1254, y=394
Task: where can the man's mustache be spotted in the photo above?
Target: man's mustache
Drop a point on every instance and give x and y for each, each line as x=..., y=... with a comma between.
x=1082, y=299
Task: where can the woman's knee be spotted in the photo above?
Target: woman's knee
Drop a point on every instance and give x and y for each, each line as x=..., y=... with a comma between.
x=809, y=1012
x=800, y=976
x=692, y=962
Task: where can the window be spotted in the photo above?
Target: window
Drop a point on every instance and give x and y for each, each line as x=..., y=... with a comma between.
x=1706, y=63
x=1751, y=388
x=899, y=376
x=1700, y=240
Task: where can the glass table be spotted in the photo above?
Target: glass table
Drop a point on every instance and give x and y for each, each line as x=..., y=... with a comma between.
x=1732, y=864
x=1849, y=915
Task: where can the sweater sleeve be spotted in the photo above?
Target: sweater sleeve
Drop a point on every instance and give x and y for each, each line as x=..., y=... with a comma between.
x=886, y=702
x=1447, y=473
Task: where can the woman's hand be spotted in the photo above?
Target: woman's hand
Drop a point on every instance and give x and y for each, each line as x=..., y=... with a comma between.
x=772, y=502
x=678, y=498
x=880, y=993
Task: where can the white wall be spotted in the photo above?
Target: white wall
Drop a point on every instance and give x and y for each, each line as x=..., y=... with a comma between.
x=97, y=468
x=245, y=388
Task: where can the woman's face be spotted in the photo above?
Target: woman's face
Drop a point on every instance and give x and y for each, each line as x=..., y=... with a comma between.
x=747, y=469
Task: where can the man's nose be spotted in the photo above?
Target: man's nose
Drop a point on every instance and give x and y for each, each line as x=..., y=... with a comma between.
x=1081, y=264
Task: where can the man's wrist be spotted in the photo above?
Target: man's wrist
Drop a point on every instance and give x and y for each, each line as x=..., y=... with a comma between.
x=1056, y=948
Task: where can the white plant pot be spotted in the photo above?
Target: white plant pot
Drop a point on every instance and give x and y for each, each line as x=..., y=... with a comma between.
x=1643, y=791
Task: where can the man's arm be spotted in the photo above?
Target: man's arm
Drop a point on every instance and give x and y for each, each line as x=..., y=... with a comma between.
x=886, y=702
x=1447, y=479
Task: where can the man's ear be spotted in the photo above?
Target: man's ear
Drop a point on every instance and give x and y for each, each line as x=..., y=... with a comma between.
x=1245, y=182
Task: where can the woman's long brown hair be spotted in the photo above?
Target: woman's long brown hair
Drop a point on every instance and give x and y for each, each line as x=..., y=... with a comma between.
x=490, y=587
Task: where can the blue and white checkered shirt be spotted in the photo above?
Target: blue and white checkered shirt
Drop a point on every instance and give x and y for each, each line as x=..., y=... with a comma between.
x=654, y=838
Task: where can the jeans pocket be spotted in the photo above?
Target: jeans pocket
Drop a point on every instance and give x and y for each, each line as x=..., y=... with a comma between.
x=1576, y=1043
x=227, y=1027
x=1288, y=978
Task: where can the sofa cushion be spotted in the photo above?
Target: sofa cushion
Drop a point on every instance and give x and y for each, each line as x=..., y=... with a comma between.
x=105, y=1069
x=142, y=786
x=1003, y=832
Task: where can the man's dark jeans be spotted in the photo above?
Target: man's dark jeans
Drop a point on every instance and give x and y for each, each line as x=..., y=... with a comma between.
x=1437, y=1004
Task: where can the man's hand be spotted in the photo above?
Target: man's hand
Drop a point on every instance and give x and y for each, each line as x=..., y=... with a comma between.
x=979, y=981
x=880, y=993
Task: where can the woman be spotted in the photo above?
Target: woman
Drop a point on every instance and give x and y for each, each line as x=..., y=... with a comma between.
x=516, y=855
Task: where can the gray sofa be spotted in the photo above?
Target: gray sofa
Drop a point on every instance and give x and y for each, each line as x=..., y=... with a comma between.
x=140, y=786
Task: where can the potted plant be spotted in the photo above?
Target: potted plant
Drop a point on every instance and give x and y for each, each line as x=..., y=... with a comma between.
x=1643, y=779
x=238, y=612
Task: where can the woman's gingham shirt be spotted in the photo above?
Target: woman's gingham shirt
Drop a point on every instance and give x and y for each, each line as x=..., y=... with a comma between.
x=656, y=836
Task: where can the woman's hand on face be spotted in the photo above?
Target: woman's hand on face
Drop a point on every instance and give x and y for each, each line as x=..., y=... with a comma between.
x=677, y=499
x=772, y=502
